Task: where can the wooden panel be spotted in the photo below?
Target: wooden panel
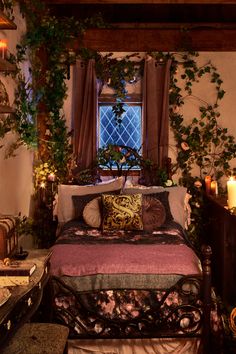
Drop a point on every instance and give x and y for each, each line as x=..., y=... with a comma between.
x=140, y=2
x=202, y=39
x=5, y=23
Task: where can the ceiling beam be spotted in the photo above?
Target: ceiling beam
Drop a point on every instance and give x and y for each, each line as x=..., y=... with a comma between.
x=166, y=2
x=160, y=39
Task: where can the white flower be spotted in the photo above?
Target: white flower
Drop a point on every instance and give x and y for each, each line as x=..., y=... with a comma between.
x=169, y=183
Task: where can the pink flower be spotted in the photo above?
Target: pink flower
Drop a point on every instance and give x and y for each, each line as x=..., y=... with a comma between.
x=175, y=109
x=185, y=146
x=198, y=184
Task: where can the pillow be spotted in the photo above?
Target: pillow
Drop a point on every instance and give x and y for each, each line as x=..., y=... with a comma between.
x=92, y=213
x=65, y=192
x=80, y=201
x=163, y=197
x=122, y=212
x=177, y=196
x=143, y=189
x=154, y=214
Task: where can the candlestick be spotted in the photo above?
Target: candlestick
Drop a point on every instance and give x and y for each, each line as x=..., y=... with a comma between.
x=231, y=188
x=214, y=188
x=208, y=184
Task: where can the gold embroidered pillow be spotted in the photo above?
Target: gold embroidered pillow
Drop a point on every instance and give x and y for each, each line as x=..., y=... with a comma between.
x=122, y=212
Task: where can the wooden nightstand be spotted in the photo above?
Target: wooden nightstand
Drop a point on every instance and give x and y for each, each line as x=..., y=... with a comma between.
x=221, y=236
x=24, y=299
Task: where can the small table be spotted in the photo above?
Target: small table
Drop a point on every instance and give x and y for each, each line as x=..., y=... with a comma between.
x=25, y=299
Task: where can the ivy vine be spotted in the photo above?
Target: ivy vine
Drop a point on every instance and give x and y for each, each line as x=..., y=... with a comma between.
x=46, y=45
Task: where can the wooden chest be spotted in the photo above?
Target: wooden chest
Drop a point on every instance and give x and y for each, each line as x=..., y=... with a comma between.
x=8, y=235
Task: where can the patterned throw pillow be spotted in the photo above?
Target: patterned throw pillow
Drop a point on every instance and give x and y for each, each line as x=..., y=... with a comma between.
x=122, y=212
x=154, y=214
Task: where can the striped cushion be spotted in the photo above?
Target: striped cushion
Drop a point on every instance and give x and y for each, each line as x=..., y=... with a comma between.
x=7, y=222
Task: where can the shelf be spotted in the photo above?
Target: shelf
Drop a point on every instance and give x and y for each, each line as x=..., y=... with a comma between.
x=6, y=65
x=6, y=23
x=6, y=109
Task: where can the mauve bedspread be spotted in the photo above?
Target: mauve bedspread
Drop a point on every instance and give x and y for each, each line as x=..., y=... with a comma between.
x=85, y=253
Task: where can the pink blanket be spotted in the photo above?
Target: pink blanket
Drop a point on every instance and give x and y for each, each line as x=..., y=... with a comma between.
x=81, y=260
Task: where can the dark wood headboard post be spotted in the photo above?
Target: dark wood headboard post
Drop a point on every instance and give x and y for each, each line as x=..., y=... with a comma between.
x=168, y=167
x=206, y=268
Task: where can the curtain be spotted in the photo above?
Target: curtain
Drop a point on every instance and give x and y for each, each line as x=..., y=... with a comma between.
x=156, y=110
x=84, y=113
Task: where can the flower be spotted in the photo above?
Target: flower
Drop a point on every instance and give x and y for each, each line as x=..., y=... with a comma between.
x=185, y=146
x=169, y=183
x=175, y=108
x=198, y=184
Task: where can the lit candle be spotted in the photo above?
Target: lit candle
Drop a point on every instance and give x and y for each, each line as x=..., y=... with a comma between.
x=231, y=188
x=3, y=48
x=208, y=184
x=214, y=188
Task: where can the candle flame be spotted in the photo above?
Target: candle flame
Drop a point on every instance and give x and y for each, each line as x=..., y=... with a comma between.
x=3, y=43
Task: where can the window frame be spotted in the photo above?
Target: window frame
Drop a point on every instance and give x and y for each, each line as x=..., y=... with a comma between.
x=132, y=100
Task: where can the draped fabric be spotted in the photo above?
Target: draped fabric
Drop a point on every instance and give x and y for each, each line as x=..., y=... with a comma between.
x=84, y=113
x=156, y=110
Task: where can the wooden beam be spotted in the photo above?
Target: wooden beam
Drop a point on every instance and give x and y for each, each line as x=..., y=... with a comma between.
x=160, y=39
x=165, y=2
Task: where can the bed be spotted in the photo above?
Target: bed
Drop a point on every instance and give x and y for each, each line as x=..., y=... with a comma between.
x=122, y=267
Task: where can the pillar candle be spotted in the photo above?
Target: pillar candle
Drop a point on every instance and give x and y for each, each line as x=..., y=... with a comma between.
x=208, y=184
x=3, y=49
x=231, y=188
x=214, y=188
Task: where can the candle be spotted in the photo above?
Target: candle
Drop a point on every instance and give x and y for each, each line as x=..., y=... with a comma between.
x=214, y=188
x=208, y=184
x=3, y=48
x=231, y=188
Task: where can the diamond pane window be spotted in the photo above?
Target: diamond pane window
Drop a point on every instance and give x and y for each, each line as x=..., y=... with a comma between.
x=128, y=133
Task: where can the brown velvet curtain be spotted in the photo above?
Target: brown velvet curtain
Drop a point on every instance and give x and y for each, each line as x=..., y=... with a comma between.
x=156, y=110
x=84, y=113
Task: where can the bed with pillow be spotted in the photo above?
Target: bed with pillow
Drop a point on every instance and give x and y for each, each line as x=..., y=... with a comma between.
x=122, y=266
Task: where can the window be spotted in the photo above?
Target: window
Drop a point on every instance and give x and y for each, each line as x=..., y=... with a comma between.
x=129, y=133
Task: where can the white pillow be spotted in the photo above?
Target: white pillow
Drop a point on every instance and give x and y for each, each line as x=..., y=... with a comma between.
x=177, y=203
x=92, y=214
x=65, y=208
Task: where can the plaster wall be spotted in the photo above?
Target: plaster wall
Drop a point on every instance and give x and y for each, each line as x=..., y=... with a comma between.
x=15, y=172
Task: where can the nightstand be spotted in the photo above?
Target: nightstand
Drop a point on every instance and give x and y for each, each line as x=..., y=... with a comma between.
x=24, y=299
x=221, y=236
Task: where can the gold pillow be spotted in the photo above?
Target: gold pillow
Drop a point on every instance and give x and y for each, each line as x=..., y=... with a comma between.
x=122, y=212
x=92, y=213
